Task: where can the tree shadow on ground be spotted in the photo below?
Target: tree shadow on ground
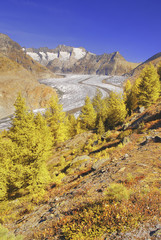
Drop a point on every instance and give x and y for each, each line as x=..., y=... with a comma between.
x=115, y=144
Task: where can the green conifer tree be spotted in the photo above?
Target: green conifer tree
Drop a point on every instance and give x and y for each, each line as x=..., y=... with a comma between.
x=88, y=115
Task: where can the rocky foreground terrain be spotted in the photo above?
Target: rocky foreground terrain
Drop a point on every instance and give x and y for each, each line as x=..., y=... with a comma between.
x=64, y=59
x=86, y=166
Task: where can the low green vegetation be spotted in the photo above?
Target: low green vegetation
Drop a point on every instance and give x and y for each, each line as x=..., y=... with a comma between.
x=117, y=192
x=6, y=235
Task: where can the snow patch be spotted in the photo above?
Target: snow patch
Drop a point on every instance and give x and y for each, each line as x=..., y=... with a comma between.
x=35, y=56
x=92, y=53
x=43, y=54
x=79, y=53
x=51, y=56
x=44, y=59
x=64, y=56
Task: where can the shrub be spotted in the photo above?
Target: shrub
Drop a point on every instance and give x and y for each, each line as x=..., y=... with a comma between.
x=125, y=134
x=6, y=235
x=117, y=192
x=93, y=220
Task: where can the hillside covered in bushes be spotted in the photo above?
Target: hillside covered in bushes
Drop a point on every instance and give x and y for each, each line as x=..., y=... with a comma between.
x=94, y=177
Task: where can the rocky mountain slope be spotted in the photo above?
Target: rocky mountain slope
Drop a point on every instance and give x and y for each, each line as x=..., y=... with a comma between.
x=18, y=73
x=14, y=52
x=155, y=60
x=64, y=59
x=128, y=156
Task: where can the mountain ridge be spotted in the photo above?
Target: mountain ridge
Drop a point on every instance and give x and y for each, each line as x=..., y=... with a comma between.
x=134, y=73
x=13, y=51
x=19, y=73
x=67, y=59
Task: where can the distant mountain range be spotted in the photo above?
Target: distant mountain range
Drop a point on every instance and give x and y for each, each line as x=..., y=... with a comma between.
x=65, y=59
x=21, y=67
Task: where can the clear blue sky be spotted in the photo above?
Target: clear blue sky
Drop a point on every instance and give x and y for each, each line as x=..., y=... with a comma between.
x=132, y=27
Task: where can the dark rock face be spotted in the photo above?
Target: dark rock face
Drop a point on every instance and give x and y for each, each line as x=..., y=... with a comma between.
x=64, y=59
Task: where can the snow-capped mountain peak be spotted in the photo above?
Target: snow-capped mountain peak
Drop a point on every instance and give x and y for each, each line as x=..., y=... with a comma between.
x=62, y=52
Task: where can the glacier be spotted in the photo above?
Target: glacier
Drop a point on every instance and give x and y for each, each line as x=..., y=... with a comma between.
x=73, y=89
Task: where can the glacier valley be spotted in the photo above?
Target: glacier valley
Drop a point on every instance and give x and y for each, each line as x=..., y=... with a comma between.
x=73, y=89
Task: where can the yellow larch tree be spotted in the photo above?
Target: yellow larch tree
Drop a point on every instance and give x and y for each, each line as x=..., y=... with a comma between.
x=116, y=110
x=32, y=139
x=57, y=121
x=149, y=86
x=88, y=115
x=72, y=125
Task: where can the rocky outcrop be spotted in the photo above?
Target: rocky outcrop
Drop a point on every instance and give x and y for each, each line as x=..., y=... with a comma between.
x=14, y=52
x=18, y=73
x=62, y=53
x=64, y=59
x=155, y=60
